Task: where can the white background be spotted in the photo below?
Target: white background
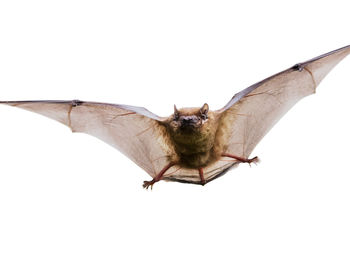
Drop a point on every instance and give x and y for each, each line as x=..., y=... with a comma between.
x=70, y=196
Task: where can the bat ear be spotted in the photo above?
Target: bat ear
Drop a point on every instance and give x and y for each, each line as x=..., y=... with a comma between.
x=176, y=112
x=204, y=109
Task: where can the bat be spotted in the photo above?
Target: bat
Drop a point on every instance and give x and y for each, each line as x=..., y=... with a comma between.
x=193, y=145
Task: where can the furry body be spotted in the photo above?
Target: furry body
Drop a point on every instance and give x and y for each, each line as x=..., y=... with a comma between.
x=198, y=146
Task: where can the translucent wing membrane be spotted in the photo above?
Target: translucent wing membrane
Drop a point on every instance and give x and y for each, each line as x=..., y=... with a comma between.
x=252, y=112
x=211, y=172
x=134, y=131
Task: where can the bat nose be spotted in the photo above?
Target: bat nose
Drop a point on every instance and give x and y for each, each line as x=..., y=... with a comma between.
x=189, y=120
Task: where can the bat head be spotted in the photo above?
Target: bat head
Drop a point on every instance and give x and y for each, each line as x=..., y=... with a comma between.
x=192, y=129
x=189, y=119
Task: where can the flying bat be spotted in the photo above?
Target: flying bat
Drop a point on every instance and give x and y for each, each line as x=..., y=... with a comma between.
x=193, y=145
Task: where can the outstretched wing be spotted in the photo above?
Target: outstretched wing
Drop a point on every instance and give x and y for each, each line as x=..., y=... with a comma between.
x=252, y=112
x=134, y=131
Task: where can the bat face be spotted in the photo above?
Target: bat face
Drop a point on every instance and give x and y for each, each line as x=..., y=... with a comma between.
x=188, y=121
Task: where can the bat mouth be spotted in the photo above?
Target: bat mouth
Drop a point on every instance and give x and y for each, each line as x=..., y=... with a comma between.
x=189, y=127
x=189, y=122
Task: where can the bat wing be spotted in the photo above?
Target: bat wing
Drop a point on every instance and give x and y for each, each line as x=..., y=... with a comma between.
x=135, y=131
x=251, y=113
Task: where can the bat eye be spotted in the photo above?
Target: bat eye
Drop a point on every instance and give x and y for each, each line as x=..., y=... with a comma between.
x=176, y=116
x=204, y=116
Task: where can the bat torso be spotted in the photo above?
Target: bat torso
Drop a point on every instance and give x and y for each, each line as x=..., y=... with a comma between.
x=194, y=150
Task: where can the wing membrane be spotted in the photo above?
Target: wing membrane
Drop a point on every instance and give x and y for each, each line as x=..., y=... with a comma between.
x=252, y=112
x=134, y=131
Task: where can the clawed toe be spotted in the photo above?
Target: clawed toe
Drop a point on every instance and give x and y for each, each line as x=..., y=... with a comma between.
x=147, y=184
x=254, y=160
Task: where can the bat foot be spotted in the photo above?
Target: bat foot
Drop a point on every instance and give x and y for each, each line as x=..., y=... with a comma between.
x=147, y=184
x=158, y=177
x=254, y=160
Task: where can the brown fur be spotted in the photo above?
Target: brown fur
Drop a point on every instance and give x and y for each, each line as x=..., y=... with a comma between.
x=201, y=145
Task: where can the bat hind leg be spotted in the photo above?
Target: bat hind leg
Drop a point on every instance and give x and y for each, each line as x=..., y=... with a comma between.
x=201, y=176
x=158, y=177
x=241, y=159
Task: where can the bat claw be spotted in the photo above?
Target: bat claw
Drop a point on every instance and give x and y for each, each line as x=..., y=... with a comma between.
x=254, y=160
x=147, y=184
